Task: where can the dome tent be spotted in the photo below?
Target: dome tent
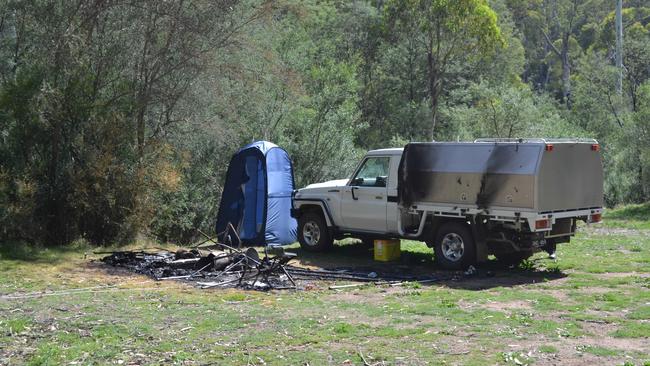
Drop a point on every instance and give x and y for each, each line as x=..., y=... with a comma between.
x=256, y=197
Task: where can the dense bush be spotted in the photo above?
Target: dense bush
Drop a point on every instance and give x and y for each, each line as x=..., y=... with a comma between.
x=119, y=118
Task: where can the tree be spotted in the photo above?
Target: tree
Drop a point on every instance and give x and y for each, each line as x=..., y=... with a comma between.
x=91, y=134
x=446, y=32
x=554, y=32
x=508, y=111
x=562, y=25
x=636, y=55
x=636, y=62
x=640, y=135
x=119, y=117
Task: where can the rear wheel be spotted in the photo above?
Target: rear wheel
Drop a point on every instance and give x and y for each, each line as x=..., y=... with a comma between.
x=454, y=246
x=313, y=234
x=550, y=246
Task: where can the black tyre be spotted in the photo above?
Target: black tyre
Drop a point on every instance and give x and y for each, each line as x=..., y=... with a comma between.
x=513, y=258
x=367, y=242
x=454, y=246
x=550, y=246
x=313, y=234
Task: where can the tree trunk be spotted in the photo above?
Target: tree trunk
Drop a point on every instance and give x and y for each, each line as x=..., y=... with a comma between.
x=55, y=220
x=140, y=132
x=566, y=83
x=566, y=72
x=633, y=96
x=434, y=81
x=434, y=116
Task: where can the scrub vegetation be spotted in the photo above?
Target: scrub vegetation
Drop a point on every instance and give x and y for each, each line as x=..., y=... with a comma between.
x=118, y=118
x=590, y=306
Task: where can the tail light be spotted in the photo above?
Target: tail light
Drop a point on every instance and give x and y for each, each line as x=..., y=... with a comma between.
x=596, y=218
x=549, y=147
x=595, y=147
x=542, y=224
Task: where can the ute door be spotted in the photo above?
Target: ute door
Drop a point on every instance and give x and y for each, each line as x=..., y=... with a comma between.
x=364, y=199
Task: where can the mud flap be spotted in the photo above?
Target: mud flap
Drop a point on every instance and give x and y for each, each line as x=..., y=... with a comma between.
x=478, y=231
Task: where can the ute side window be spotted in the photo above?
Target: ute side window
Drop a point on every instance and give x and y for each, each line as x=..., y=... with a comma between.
x=373, y=173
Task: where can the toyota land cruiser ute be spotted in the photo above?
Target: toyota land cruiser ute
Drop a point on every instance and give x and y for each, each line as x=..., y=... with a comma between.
x=466, y=200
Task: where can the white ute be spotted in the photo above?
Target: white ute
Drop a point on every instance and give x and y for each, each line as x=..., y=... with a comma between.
x=467, y=200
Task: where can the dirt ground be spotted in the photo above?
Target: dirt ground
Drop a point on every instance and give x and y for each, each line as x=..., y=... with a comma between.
x=590, y=306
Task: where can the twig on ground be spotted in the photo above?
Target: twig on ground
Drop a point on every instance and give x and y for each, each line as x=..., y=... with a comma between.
x=365, y=363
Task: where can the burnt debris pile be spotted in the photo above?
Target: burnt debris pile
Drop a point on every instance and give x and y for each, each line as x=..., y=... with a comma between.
x=232, y=267
x=228, y=267
x=212, y=264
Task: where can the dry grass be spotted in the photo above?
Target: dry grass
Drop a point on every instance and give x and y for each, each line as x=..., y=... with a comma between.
x=592, y=306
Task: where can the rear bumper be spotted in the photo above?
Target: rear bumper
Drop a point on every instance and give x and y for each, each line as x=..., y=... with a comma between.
x=558, y=220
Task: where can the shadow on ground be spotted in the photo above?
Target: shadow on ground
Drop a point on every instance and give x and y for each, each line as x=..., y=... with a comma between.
x=359, y=258
x=24, y=252
x=415, y=263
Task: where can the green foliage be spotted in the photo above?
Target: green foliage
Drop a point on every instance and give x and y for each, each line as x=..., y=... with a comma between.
x=507, y=111
x=630, y=212
x=88, y=128
x=126, y=124
x=441, y=34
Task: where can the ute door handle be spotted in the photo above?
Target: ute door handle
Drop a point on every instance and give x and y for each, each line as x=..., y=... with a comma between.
x=379, y=197
x=353, y=196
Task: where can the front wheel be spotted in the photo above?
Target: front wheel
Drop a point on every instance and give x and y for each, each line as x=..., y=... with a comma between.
x=313, y=234
x=454, y=246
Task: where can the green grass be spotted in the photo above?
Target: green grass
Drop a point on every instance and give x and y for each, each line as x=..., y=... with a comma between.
x=641, y=313
x=639, y=212
x=14, y=325
x=628, y=217
x=597, y=350
x=598, y=288
x=633, y=330
x=547, y=349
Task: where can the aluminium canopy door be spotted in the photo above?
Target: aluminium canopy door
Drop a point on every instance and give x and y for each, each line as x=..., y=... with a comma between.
x=469, y=174
x=570, y=177
x=528, y=175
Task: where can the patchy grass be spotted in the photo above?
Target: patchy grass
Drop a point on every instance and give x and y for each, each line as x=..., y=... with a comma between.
x=591, y=305
x=633, y=330
x=547, y=349
x=630, y=217
x=598, y=351
x=639, y=212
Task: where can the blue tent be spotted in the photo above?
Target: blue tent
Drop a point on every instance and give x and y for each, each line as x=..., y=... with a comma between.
x=256, y=198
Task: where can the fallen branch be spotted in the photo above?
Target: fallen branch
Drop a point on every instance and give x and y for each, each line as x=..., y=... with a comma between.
x=420, y=282
x=365, y=363
x=186, y=276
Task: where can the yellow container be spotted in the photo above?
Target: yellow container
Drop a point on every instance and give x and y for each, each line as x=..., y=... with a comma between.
x=387, y=250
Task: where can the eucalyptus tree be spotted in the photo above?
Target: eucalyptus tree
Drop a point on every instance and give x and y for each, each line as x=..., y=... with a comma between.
x=445, y=32
x=92, y=94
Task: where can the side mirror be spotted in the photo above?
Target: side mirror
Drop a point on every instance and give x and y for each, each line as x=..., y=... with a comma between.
x=357, y=181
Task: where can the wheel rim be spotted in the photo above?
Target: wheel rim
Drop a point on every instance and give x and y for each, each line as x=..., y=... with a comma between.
x=311, y=233
x=453, y=247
